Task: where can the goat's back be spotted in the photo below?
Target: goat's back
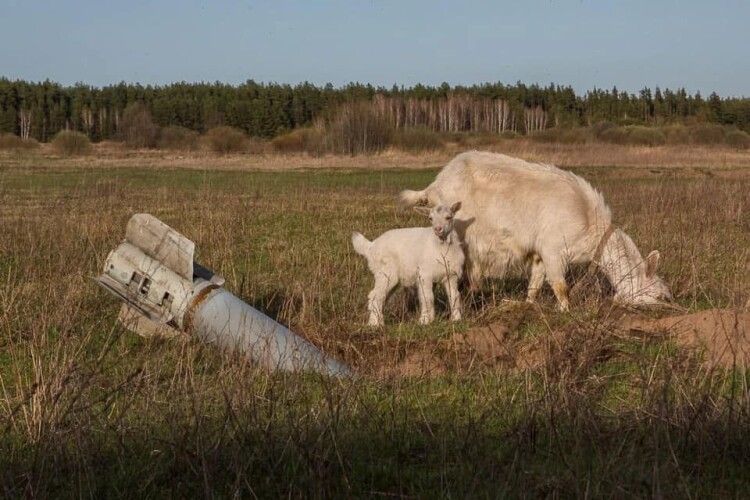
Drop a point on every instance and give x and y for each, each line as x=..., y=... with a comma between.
x=513, y=188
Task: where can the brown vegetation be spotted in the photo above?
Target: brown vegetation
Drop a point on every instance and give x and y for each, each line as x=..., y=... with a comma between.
x=416, y=140
x=638, y=135
x=738, y=139
x=71, y=143
x=302, y=140
x=177, y=138
x=225, y=140
x=11, y=142
x=136, y=128
x=705, y=160
x=356, y=129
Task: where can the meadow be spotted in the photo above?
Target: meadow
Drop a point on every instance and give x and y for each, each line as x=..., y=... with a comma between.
x=575, y=404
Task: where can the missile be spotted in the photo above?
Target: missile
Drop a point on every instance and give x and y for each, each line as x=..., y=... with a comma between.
x=166, y=293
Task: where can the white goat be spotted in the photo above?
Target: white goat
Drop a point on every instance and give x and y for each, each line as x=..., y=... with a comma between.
x=517, y=211
x=415, y=256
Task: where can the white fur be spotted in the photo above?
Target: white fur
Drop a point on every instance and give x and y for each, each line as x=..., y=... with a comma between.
x=515, y=211
x=414, y=256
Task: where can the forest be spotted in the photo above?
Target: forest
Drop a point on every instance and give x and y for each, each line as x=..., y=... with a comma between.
x=39, y=110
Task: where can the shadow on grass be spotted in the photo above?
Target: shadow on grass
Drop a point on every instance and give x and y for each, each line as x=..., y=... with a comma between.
x=339, y=441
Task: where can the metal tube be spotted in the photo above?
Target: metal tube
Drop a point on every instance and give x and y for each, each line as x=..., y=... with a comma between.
x=223, y=319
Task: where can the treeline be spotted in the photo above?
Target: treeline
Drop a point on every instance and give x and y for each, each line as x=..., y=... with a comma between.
x=40, y=110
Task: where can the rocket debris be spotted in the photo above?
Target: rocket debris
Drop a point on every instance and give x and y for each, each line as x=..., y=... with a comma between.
x=166, y=293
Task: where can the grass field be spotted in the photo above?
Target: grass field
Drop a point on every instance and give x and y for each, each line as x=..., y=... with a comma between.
x=88, y=409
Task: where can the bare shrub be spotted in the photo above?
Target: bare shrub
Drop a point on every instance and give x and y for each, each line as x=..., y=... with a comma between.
x=599, y=128
x=71, y=143
x=738, y=139
x=291, y=142
x=178, y=138
x=356, y=128
x=309, y=139
x=11, y=142
x=225, y=140
x=417, y=139
x=645, y=136
x=617, y=135
x=137, y=129
x=635, y=135
x=577, y=135
x=676, y=134
x=707, y=133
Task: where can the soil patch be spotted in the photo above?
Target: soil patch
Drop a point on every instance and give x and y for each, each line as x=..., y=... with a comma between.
x=722, y=336
x=490, y=345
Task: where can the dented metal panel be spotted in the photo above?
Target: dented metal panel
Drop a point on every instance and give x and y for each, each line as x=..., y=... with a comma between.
x=132, y=319
x=162, y=243
x=146, y=284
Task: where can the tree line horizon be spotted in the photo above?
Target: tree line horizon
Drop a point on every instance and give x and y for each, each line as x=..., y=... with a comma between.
x=39, y=110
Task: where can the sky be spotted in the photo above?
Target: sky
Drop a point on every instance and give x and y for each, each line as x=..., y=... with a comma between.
x=700, y=45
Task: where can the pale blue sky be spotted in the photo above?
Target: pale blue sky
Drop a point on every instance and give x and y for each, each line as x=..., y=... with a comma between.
x=701, y=45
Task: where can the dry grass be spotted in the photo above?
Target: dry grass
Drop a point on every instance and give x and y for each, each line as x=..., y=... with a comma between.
x=88, y=409
x=113, y=155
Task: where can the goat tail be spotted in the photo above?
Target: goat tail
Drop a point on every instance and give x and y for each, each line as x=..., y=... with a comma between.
x=411, y=198
x=361, y=244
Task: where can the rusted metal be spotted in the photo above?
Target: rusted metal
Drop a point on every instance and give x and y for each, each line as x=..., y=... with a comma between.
x=187, y=323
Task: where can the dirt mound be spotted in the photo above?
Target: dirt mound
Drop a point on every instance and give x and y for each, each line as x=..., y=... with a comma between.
x=491, y=345
x=459, y=352
x=722, y=335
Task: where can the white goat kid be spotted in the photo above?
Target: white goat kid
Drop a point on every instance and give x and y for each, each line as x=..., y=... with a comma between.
x=415, y=256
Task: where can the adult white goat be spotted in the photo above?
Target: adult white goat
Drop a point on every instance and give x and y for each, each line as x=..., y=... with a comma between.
x=415, y=256
x=517, y=211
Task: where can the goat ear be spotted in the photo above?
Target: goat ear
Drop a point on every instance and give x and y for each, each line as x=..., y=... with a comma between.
x=423, y=211
x=652, y=262
x=456, y=207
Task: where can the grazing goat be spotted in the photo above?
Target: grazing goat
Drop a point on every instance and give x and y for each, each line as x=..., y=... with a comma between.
x=515, y=211
x=415, y=256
